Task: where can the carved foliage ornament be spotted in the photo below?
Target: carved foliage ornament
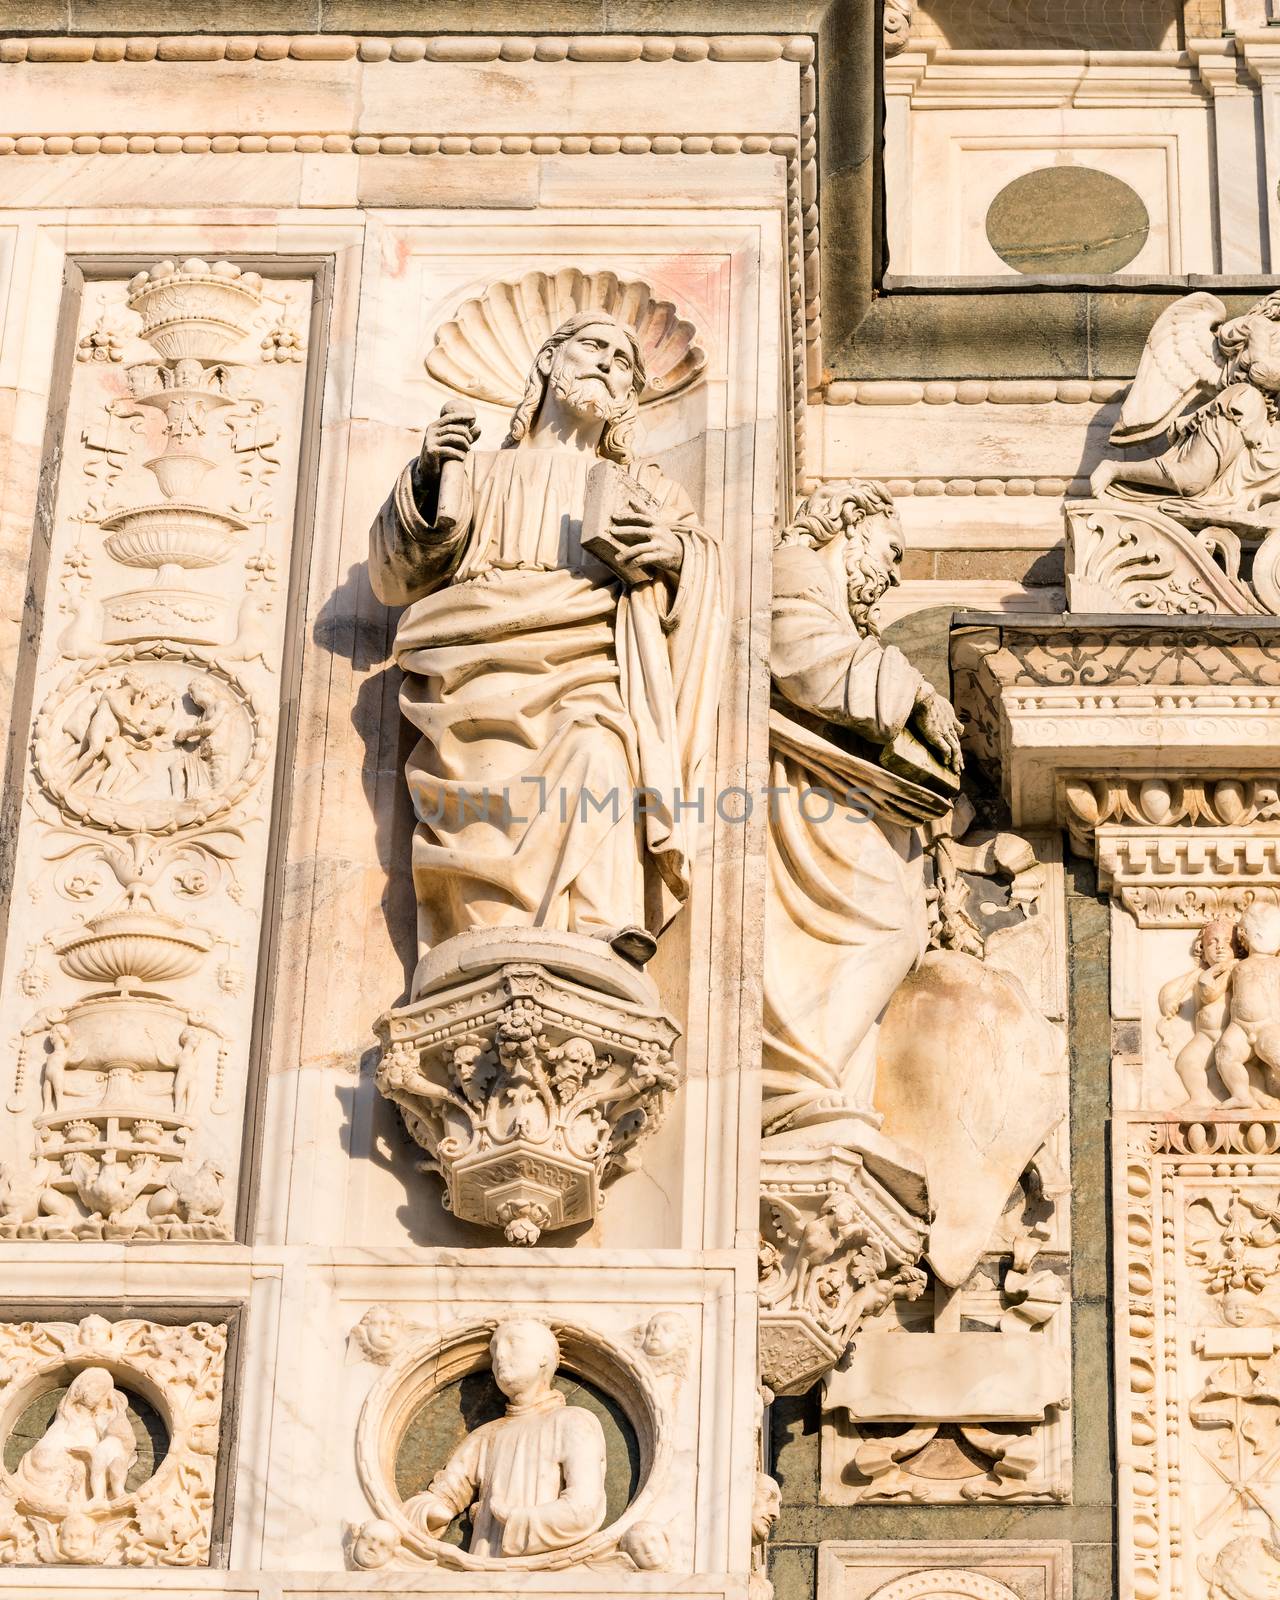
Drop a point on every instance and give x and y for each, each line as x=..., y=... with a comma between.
x=69, y=1501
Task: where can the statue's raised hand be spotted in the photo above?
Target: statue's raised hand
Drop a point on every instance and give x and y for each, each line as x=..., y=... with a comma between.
x=649, y=544
x=448, y=438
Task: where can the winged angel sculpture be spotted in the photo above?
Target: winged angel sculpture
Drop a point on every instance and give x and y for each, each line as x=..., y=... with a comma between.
x=1195, y=528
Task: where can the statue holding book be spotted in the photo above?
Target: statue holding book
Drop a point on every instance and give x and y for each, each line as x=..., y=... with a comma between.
x=862, y=750
x=562, y=652
x=555, y=668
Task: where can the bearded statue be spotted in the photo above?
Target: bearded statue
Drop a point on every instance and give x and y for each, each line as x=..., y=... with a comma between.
x=547, y=687
x=846, y=911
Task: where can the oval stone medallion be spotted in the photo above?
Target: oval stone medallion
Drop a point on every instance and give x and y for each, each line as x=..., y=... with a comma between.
x=1067, y=219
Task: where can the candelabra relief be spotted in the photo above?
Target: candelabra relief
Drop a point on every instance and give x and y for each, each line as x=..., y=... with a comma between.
x=143, y=838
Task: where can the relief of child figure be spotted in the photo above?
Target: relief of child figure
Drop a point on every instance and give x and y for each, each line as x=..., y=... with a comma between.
x=1209, y=987
x=1253, y=1032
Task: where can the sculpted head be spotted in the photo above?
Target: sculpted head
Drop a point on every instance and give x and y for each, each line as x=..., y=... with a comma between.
x=375, y=1543
x=77, y=1537
x=594, y=366
x=1248, y=1568
x=1217, y=941
x=1251, y=342
x=525, y=1355
x=1260, y=930
x=766, y=1507
x=647, y=1545
x=90, y=1388
x=853, y=525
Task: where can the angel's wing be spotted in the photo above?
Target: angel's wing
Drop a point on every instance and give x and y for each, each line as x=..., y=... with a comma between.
x=788, y=1219
x=1181, y=357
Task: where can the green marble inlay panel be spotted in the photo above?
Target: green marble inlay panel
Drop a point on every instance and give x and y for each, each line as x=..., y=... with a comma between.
x=1067, y=219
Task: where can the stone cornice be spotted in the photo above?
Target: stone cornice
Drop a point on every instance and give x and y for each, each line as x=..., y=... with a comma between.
x=1154, y=742
x=1054, y=703
x=438, y=133
x=424, y=47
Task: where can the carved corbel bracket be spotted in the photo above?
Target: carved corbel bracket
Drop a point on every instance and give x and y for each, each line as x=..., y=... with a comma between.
x=529, y=1089
x=836, y=1248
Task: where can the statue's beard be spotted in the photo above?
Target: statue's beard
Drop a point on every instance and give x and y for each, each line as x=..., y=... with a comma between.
x=866, y=583
x=587, y=396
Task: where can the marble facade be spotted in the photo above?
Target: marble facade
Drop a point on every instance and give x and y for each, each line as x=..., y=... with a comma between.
x=697, y=1186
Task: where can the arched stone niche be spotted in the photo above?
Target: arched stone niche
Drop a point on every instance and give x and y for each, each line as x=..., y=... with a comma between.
x=618, y=1384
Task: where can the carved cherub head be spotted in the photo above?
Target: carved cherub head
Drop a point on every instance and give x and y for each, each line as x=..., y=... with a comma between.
x=853, y=526
x=525, y=1355
x=77, y=1538
x=379, y=1333
x=1260, y=930
x=1248, y=1568
x=647, y=1545
x=1216, y=941
x=375, y=1543
x=595, y=367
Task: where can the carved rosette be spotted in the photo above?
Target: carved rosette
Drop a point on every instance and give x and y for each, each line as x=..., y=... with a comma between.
x=529, y=1092
x=835, y=1248
x=75, y=1504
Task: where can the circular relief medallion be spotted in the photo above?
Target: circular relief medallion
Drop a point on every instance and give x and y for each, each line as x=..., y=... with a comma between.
x=151, y=739
x=948, y=1583
x=440, y=1391
x=1067, y=219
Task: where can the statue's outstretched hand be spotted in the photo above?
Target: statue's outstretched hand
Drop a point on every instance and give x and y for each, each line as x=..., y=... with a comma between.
x=934, y=719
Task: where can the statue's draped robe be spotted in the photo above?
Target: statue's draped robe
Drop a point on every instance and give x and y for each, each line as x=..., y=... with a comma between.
x=543, y=1464
x=1212, y=467
x=845, y=916
x=548, y=696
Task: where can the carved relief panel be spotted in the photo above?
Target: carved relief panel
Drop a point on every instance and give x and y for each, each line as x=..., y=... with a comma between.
x=511, y=1420
x=1197, y=1264
x=925, y=1569
x=960, y=1391
x=110, y=1441
x=145, y=812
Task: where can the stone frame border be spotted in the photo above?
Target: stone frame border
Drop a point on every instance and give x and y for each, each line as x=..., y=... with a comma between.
x=837, y=1558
